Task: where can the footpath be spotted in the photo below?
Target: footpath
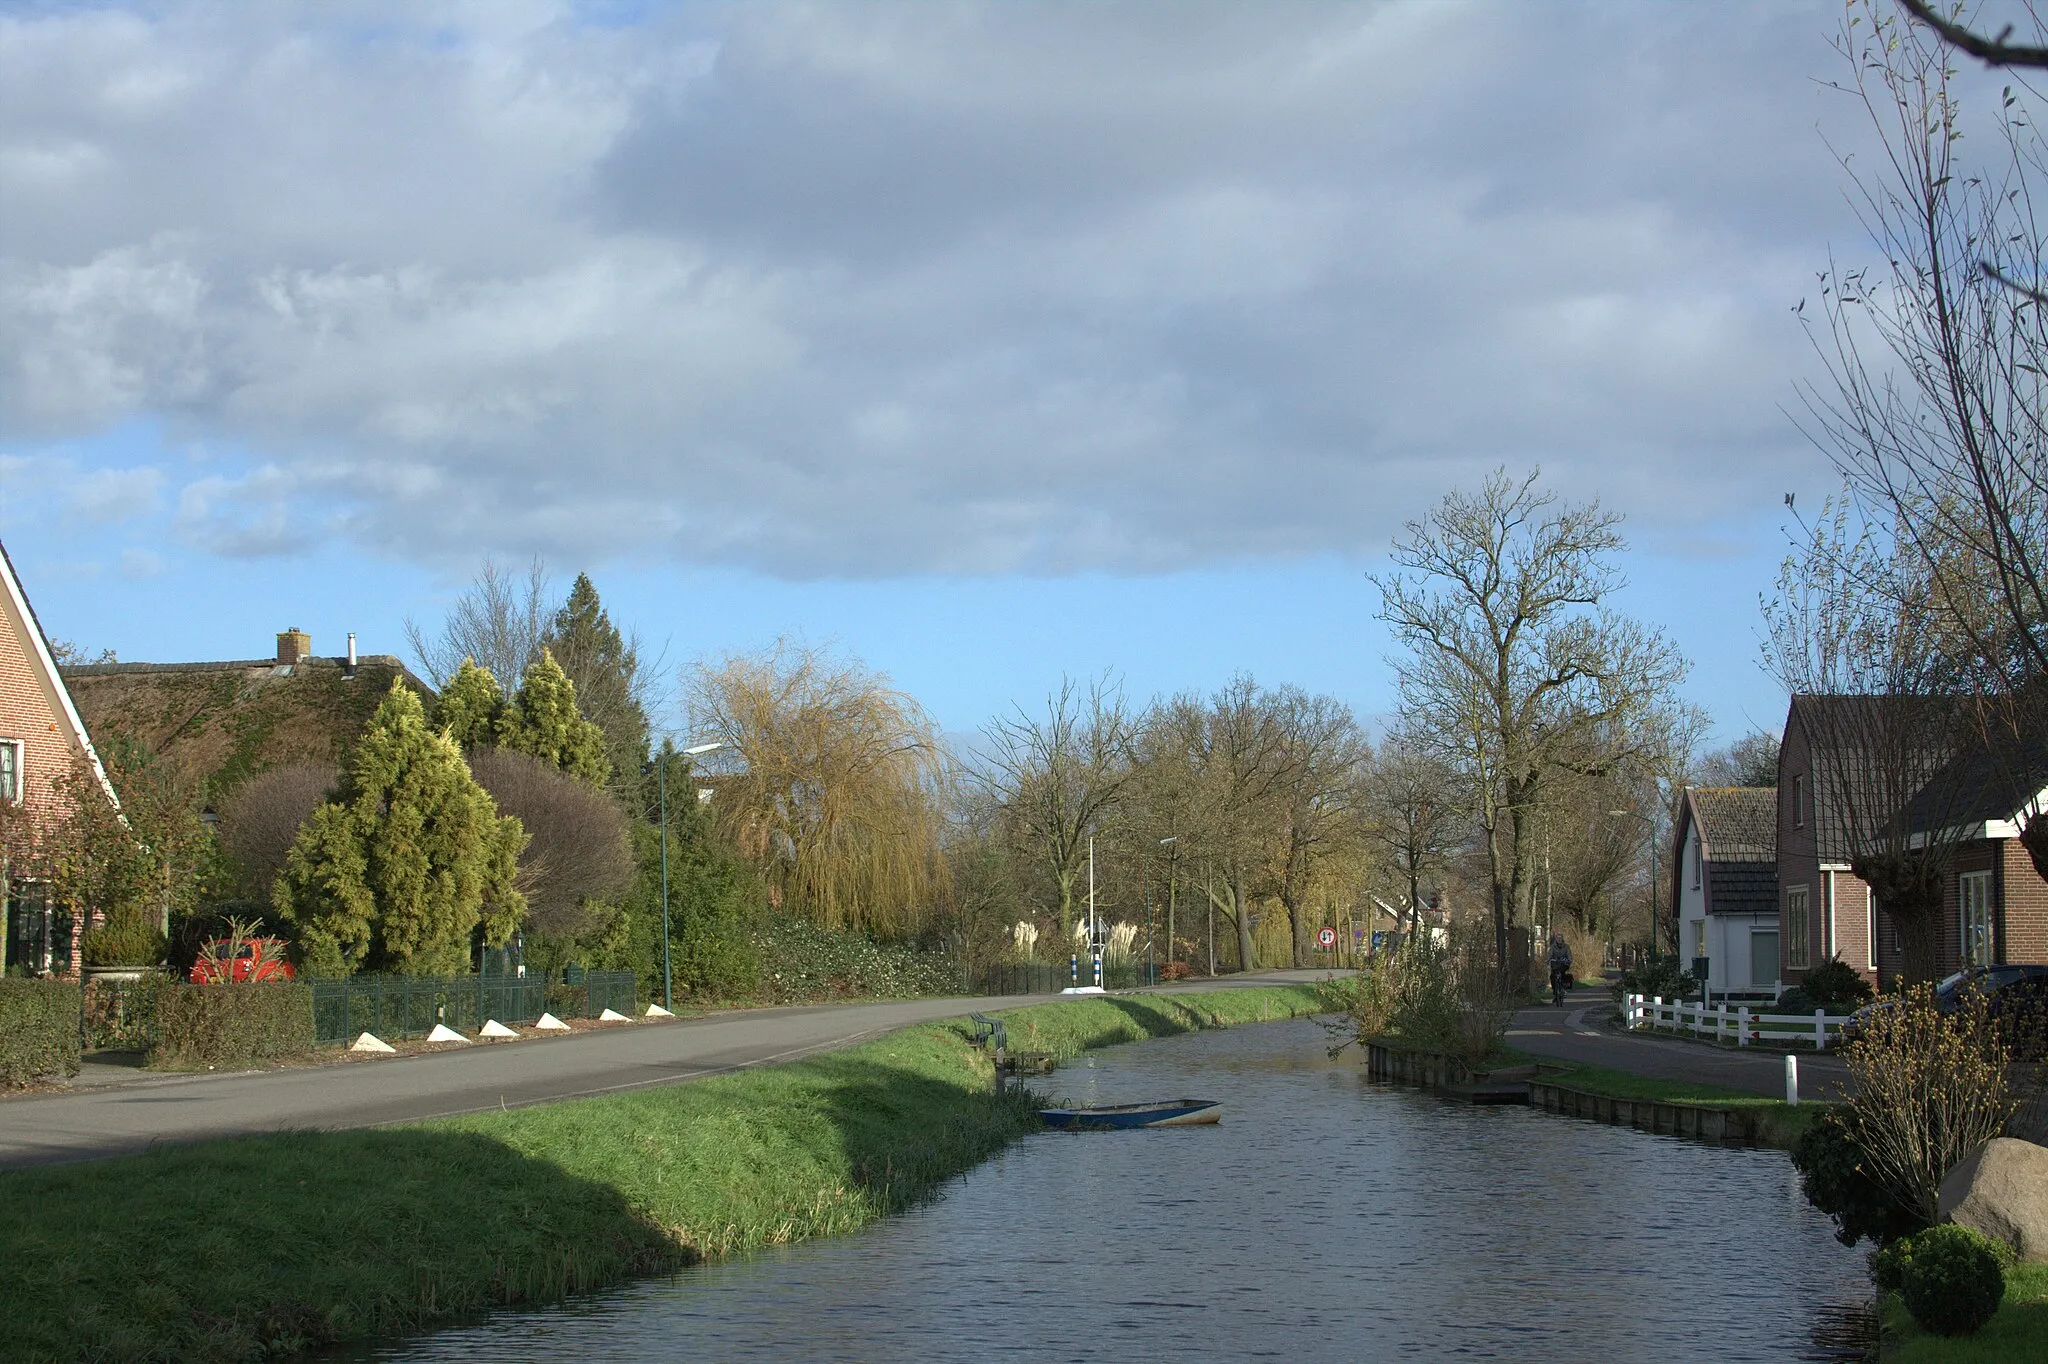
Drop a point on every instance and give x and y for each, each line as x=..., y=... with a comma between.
x=119, y=1109
x=1579, y=1032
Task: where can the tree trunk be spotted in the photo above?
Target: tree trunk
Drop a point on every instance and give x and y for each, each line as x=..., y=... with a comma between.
x=1247, y=953
x=1909, y=891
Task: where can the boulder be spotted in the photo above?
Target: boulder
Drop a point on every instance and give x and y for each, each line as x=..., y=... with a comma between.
x=2001, y=1191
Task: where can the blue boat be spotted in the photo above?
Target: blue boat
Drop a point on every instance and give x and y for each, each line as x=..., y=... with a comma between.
x=1111, y=1117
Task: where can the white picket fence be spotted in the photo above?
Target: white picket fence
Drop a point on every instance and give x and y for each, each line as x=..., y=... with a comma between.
x=1742, y=1024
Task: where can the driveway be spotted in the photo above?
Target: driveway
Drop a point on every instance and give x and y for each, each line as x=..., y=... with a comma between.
x=124, y=1113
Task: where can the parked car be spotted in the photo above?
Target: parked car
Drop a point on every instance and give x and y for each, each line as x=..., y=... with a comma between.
x=248, y=959
x=2016, y=996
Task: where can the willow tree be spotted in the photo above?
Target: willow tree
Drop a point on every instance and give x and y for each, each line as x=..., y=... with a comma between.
x=832, y=784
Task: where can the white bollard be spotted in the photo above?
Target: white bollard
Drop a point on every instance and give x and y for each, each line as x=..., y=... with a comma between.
x=1792, y=1080
x=1742, y=1026
x=1820, y=1029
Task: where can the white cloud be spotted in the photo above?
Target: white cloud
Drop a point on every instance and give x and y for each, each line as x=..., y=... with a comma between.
x=871, y=289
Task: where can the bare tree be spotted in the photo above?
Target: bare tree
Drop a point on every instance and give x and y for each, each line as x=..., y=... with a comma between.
x=1751, y=760
x=1938, y=372
x=260, y=821
x=841, y=785
x=1323, y=757
x=1515, y=668
x=578, y=852
x=1995, y=51
x=499, y=621
x=1061, y=775
x=1413, y=815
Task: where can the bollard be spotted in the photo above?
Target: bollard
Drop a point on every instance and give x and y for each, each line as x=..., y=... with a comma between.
x=1792, y=1080
x=1074, y=967
x=1820, y=1030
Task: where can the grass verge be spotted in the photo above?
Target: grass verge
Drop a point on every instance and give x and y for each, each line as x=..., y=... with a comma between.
x=259, y=1246
x=1779, y=1124
x=2019, y=1331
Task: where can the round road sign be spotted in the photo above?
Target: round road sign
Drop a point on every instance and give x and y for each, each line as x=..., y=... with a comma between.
x=1328, y=937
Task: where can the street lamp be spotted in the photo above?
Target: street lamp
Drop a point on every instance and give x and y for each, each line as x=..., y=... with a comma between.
x=660, y=768
x=1151, y=967
x=1651, y=825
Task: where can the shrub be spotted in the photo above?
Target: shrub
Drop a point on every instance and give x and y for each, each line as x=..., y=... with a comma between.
x=1657, y=978
x=1449, y=997
x=1834, y=986
x=1929, y=1088
x=1175, y=970
x=1793, y=1001
x=216, y=1025
x=120, y=1015
x=1950, y=1280
x=38, y=1030
x=124, y=938
x=800, y=961
x=1835, y=1175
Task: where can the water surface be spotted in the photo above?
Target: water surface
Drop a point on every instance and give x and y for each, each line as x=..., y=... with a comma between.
x=1325, y=1218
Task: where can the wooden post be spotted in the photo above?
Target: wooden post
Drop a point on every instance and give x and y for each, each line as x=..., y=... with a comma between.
x=1742, y=1026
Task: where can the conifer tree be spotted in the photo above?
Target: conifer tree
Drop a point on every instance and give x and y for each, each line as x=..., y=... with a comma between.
x=605, y=666
x=409, y=860
x=543, y=720
x=470, y=706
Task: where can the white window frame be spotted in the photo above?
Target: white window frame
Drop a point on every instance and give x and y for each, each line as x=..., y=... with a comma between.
x=1694, y=849
x=1798, y=929
x=1974, y=918
x=20, y=752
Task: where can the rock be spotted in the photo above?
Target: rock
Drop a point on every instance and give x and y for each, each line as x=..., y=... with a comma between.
x=2001, y=1191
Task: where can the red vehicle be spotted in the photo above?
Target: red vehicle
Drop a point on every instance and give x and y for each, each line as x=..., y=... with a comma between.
x=241, y=959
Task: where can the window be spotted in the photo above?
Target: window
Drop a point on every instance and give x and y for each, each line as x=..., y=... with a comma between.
x=1798, y=930
x=1973, y=895
x=10, y=771
x=1692, y=846
x=1699, y=937
x=1799, y=801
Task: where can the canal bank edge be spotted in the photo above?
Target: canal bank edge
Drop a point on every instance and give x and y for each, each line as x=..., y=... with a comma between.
x=1696, y=1111
x=257, y=1247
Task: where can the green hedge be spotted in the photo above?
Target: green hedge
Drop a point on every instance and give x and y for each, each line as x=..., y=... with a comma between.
x=38, y=1030
x=225, y=1025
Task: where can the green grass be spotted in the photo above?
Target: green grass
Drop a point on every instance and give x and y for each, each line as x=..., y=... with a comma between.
x=1779, y=1123
x=2019, y=1331
x=253, y=1246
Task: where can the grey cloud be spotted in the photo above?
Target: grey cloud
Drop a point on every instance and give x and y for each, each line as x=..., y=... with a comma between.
x=856, y=290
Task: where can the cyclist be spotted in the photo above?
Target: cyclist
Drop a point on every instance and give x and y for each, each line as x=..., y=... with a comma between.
x=1560, y=968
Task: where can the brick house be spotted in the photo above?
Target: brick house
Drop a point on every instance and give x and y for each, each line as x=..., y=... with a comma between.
x=42, y=738
x=1724, y=880
x=1996, y=904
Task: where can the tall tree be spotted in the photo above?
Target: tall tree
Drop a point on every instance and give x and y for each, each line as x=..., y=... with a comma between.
x=1413, y=816
x=409, y=861
x=542, y=719
x=838, y=797
x=498, y=622
x=604, y=664
x=470, y=706
x=1060, y=776
x=1515, y=668
x=1323, y=757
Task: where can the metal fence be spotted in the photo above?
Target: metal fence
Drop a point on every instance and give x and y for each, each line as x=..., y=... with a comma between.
x=1036, y=979
x=398, y=1007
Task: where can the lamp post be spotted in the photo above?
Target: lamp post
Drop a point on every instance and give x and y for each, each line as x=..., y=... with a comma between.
x=660, y=767
x=1651, y=825
x=1152, y=973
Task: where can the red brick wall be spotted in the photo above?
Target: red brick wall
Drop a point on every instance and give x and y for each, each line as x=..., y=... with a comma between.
x=1852, y=922
x=1798, y=861
x=31, y=714
x=2024, y=897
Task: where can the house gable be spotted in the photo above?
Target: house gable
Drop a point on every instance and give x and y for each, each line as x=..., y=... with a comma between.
x=36, y=708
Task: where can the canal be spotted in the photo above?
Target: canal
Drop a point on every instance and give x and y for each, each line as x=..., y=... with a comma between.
x=1324, y=1218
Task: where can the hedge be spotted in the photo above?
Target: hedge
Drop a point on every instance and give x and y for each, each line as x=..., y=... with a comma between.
x=38, y=1030
x=225, y=1025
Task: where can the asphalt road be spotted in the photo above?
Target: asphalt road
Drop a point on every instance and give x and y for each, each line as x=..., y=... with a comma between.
x=1575, y=1033
x=125, y=1113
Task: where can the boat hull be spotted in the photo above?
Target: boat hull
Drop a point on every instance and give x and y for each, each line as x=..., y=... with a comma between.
x=1119, y=1117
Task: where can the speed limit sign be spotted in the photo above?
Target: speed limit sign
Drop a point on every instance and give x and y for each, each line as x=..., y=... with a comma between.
x=1328, y=938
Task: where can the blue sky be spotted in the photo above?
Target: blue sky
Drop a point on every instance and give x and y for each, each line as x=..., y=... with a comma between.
x=990, y=342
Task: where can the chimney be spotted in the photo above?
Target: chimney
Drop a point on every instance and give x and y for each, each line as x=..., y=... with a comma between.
x=294, y=646
x=351, y=670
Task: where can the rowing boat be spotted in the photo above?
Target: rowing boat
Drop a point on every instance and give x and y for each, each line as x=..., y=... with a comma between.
x=1110, y=1117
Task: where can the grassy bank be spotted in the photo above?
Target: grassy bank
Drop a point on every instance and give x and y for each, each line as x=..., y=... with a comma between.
x=2019, y=1331
x=1779, y=1124
x=257, y=1246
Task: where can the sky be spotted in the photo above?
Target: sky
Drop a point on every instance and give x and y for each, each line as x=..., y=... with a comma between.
x=989, y=343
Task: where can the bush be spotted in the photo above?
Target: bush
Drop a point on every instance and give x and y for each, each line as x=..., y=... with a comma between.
x=1657, y=978
x=1835, y=1175
x=124, y=938
x=1833, y=986
x=1793, y=1001
x=800, y=961
x=120, y=1015
x=38, y=1030
x=1950, y=1280
x=225, y=1025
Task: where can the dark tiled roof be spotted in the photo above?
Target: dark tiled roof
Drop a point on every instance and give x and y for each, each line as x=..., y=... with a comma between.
x=1978, y=787
x=1742, y=887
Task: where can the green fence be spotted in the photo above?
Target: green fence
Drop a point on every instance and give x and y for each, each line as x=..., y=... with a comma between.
x=399, y=1007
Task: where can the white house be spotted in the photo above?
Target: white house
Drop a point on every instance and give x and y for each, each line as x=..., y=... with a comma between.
x=1725, y=884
